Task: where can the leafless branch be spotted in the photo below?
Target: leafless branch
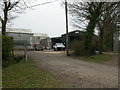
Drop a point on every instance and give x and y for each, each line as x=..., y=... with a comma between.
x=14, y=4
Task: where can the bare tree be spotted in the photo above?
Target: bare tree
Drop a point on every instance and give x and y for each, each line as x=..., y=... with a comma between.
x=108, y=26
x=87, y=11
x=88, y=14
x=8, y=8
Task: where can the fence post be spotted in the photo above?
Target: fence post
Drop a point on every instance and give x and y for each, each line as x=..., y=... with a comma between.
x=12, y=46
x=25, y=51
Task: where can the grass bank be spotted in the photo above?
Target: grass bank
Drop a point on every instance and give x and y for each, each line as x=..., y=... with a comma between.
x=26, y=75
x=98, y=58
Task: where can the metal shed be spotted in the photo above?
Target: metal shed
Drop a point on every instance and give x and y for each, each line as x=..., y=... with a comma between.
x=20, y=37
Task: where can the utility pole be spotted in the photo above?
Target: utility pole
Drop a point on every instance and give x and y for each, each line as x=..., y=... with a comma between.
x=66, y=14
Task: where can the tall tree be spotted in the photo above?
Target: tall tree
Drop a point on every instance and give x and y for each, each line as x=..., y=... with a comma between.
x=7, y=7
x=108, y=26
x=89, y=12
x=95, y=11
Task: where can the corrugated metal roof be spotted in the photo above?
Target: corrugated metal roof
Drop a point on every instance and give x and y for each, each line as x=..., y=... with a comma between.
x=40, y=34
x=17, y=30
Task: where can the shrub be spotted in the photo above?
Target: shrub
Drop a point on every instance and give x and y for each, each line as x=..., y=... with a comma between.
x=7, y=57
x=18, y=58
x=78, y=48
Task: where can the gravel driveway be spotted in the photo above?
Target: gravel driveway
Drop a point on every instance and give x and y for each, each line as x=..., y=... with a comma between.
x=76, y=73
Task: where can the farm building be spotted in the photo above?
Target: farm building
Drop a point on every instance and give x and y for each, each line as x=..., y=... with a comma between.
x=43, y=39
x=73, y=36
x=56, y=40
x=20, y=37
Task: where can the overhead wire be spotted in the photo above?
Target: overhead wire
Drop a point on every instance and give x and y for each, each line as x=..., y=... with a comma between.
x=42, y=3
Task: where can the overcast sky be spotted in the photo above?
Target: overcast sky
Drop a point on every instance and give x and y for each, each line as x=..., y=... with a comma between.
x=48, y=18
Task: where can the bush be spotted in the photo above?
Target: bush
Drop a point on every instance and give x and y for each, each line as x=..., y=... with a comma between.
x=78, y=48
x=7, y=57
x=18, y=58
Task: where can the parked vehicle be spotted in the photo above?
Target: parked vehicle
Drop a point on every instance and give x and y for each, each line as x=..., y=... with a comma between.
x=46, y=43
x=38, y=47
x=58, y=46
x=42, y=39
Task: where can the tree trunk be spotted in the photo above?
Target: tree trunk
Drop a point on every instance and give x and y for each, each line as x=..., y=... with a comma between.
x=3, y=27
x=101, y=38
x=89, y=35
x=89, y=49
x=4, y=22
x=112, y=42
x=101, y=41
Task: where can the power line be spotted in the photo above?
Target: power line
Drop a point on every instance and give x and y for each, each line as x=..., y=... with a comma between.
x=43, y=3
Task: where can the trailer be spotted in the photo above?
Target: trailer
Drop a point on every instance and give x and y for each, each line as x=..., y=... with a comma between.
x=42, y=40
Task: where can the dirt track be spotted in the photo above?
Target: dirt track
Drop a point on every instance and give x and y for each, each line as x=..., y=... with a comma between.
x=76, y=73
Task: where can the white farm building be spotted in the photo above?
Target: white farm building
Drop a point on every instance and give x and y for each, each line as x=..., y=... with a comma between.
x=20, y=37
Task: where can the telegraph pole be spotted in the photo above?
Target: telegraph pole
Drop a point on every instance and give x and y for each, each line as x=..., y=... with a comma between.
x=66, y=14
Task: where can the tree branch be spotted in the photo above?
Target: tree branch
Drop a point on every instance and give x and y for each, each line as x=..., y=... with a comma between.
x=14, y=4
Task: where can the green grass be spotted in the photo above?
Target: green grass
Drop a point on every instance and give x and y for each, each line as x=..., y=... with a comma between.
x=26, y=75
x=96, y=58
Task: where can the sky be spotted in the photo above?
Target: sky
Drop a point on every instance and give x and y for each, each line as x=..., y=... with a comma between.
x=48, y=18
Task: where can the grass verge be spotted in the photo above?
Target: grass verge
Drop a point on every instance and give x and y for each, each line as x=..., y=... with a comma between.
x=26, y=75
x=95, y=58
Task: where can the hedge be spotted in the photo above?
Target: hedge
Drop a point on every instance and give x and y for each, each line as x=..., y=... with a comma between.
x=7, y=57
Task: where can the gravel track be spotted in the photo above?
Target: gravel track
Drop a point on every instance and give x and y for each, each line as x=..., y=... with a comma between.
x=76, y=73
